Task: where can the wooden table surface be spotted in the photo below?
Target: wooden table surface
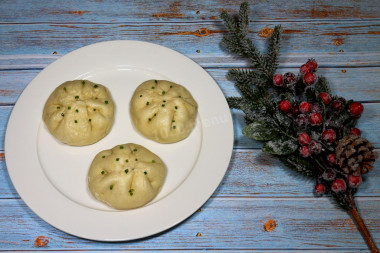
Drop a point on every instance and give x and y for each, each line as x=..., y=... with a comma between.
x=344, y=37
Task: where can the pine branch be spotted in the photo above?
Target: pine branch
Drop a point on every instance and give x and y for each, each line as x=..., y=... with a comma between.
x=273, y=50
x=243, y=18
x=322, y=85
x=234, y=102
x=300, y=165
x=229, y=22
x=245, y=76
x=237, y=42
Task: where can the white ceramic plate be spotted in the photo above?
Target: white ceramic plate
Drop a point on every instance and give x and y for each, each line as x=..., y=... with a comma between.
x=52, y=177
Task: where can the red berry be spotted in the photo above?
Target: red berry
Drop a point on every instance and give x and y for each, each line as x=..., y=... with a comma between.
x=304, y=139
x=355, y=131
x=331, y=158
x=329, y=135
x=305, y=107
x=313, y=65
x=315, y=119
x=295, y=110
x=356, y=109
x=289, y=78
x=309, y=78
x=285, y=105
x=305, y=151
x=354, y=181
x=319, y=189
x=337, y=105
x=305, y=69
x=325, y=98
x=338, y=185
x=277, y=79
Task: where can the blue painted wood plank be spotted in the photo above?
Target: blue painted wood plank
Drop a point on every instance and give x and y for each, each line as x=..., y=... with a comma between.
x=345, y=82
x=222, y=223
x=209, y=60
x=360, y=38
x=171, y=10
x=251, y=173
x=368, y=124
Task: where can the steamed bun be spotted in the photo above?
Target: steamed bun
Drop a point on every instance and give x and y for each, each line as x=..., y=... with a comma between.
x=163, y=111
x=126, y=176
x=79, y=112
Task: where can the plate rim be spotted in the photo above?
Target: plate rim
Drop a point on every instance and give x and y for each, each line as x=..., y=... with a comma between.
x=50, y=192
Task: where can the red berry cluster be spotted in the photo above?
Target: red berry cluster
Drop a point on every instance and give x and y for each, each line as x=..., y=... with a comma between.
x=312, y=121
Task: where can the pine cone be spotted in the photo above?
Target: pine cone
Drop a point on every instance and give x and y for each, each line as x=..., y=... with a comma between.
x=355, y=155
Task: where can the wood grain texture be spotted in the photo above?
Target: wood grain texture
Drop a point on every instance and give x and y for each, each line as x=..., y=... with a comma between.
x=209, y=60
x=369, y=125
x=251, y=173
x=313, y=39
x=223, y=223
x=185, y=11
x=343, y=35
x=345, y=82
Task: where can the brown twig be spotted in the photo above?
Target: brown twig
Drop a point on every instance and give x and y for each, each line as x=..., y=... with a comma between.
x=363, y=229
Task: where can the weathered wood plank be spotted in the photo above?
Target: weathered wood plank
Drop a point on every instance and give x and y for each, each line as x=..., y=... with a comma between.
x=251, y=173
x=148, y=11
x=231, y=224
x=334, y=60
x=345, y=82
x=190, y=38
x=368, y=124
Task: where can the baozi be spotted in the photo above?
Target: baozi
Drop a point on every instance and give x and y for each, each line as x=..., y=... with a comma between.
x=126, y=176
x=163, y=111
x=79, y=112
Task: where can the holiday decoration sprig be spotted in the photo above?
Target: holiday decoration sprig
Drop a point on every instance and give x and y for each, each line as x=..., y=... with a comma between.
x=298, y=119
